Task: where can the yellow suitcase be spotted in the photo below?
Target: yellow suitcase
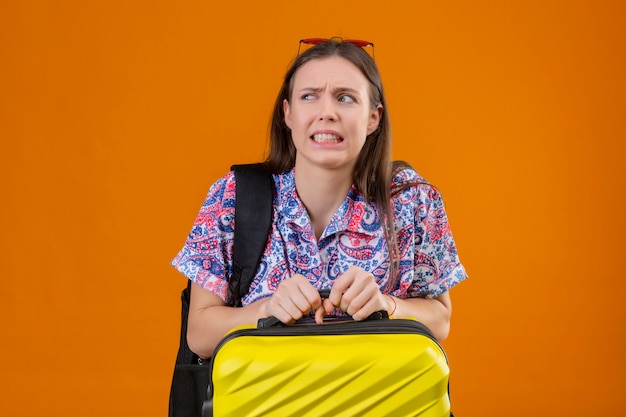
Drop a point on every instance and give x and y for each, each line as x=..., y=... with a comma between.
x=344, y=369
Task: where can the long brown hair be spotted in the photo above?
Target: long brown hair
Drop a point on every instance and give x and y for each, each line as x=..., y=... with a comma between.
x=373, y=170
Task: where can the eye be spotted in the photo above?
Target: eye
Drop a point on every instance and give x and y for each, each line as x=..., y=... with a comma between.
x=308, y=96
x=346, y=98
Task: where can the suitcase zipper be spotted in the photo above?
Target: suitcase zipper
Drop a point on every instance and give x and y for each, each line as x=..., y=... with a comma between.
x=385, y=326
x=329, y=329
x=397, y=326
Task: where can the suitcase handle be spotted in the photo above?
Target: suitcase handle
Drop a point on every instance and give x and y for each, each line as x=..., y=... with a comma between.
x=264, y=323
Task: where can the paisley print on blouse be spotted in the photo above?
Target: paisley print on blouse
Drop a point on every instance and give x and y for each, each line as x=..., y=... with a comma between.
x=429, y=263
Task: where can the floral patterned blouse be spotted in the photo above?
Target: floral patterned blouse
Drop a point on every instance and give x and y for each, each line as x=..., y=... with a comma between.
x=429, y=264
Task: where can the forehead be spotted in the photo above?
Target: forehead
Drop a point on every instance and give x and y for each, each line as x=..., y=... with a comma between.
x=333, y=70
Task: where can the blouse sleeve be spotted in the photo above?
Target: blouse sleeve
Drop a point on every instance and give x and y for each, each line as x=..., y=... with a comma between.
x=436, y=262
x=206, y=257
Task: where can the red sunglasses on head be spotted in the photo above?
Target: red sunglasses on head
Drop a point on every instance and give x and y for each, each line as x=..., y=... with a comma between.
x=317, y=41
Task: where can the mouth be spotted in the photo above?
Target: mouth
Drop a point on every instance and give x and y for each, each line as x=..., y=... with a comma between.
x=326, y=138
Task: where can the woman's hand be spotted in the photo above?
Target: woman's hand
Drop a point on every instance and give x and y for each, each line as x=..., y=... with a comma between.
x=293, y=298
x=356, y=293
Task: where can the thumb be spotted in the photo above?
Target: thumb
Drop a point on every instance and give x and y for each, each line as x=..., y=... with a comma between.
x=324, y=309
x=319, y=315
x=328, y=306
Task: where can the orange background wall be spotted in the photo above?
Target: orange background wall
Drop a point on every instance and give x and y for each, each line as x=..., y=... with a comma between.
x=116, y=116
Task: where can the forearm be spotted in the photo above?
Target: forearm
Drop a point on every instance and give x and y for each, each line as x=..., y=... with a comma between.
x=432, y=312
x=208, y=325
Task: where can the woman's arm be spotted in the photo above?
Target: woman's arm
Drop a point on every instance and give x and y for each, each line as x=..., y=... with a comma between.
x=210, y=318
x=357, y=293
x=433, y=312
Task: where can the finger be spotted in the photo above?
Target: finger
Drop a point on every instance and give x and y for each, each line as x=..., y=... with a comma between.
x=328, y=306
x=301, y=301
x=341, y=284
x=281, y=314
x=319, y=315
x=295, y=310
x=282, y=307
x=357, y=297
x=296, y=296
x=312, y=296
x=370, y=307
x=303, y=293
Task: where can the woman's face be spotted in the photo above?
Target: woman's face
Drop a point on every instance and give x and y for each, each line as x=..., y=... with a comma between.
x=330, y=113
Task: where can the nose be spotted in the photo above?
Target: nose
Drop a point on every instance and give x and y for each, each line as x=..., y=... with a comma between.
x=327, y=109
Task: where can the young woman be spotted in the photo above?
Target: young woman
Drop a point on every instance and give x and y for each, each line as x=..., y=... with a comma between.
x=345, y=217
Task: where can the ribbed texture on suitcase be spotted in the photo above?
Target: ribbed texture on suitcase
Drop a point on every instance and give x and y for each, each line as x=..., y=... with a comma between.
x=331, y=375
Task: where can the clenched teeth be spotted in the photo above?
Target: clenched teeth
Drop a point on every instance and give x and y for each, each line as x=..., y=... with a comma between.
x=326, y=138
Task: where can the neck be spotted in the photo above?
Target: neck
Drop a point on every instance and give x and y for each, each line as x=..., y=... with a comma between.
x=322, y=192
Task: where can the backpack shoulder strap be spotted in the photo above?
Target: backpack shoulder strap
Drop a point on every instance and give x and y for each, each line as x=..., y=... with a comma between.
x=253, y=220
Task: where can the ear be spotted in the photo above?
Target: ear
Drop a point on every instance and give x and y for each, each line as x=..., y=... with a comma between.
x=374, y=120
x=287, y=113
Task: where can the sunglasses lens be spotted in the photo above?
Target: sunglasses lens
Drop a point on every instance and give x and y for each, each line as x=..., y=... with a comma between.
x=313, y=41
x=358, y=42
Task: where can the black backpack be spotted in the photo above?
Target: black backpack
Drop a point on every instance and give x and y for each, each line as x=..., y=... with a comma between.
x=253, y=219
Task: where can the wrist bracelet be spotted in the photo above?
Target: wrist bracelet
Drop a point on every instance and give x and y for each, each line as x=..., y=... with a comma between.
x=394, y=305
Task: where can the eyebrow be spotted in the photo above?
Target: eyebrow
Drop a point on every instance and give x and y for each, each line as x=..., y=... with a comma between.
x=335, y=90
